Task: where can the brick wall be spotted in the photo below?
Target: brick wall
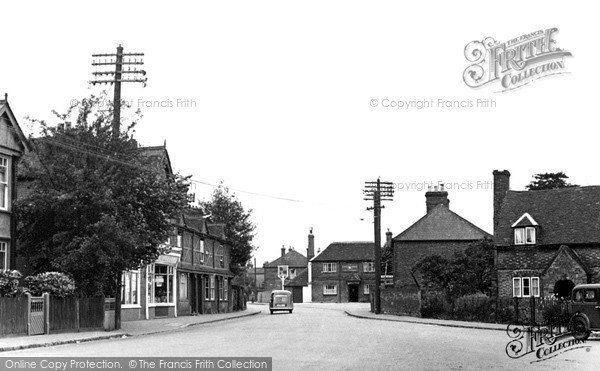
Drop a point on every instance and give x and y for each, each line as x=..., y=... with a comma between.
x=341, y=279
x=401, y=301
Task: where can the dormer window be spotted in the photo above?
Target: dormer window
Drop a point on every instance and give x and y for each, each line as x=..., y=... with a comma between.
x=524, y=230
x=525, y=236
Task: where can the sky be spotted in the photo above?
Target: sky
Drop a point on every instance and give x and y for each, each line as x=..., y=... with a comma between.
x=294, y=105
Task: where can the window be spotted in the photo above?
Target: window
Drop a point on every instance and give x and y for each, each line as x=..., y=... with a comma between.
x=225, y=289
x=525, y=236
x=369, y=267
x=329, y=267
x=524, y=287
x=219, y=256
x=292, y=273
x=207, y=288
x=589, y=295
x=3, y=255
x=212, y=287
x=179, y=240
x=183, y=286
x=202, y=252
x=209, y=254
x=330, y=290
x=222, y=289
x=129, y=289
x=3, y=183
x=160, y=284
x=366, y=289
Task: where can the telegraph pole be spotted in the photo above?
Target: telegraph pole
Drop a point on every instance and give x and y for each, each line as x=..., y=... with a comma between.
x=378, y=191
x=116, y=77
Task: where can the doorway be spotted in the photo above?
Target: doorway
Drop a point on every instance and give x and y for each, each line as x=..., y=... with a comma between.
x=353, y=293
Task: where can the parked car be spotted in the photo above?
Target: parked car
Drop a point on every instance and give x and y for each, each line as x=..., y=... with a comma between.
x=585, y=306
x=281, y=300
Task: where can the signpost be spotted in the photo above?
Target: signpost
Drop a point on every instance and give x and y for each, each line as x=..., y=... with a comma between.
x=282, y=273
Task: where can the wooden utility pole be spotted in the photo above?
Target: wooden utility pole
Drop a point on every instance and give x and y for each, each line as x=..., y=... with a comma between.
x=116, y=77
x=378, y=191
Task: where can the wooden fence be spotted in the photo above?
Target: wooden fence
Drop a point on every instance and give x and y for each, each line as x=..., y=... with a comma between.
x=13, y=316
x=65, y=315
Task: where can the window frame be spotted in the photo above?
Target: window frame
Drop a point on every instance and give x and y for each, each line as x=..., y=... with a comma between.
x=202, y=251
x=332, y=291
x=225, y=289
x=5, y=183
x=368, y=267
x=126, y=281
x=329, y=268
x=4, y=255
x=519, y=286
x=366, y=289
x=524, y=236
x=170, y=283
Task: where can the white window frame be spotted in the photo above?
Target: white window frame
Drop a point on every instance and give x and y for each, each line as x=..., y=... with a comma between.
x=212, y=287
x=329, y=267
x=126, y=280
x=207, y=288
x=520, y=284
x=4, y=183
x=330, y=289
x=202, y=251
x=524, y=236
x=170, y=282
x=368, y=267
x=292, y=272
x=220, y=256
x=225, y=289
x=3, y=255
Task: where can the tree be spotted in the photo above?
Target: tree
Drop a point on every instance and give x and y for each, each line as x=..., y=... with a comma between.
x=387, y=259
x=224, y=207
x=549, y=181
x=97, y=206
x=466, y=272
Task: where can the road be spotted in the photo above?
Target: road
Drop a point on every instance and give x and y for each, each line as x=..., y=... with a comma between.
x=323, y=337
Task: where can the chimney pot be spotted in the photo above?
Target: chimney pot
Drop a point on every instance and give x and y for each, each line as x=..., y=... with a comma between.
x=435, y=198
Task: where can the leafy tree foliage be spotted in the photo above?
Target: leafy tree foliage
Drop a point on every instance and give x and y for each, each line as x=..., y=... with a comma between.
x=224, y=207
x=55, y=283
x=97, y=206
x=466, y=272
x=387, y=258
x=549, y=181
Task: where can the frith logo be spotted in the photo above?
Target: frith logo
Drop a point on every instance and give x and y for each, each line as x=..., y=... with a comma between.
x=514, y=63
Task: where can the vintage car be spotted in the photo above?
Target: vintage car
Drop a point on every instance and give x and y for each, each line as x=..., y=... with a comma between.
x=585, y=309
x=281, y=300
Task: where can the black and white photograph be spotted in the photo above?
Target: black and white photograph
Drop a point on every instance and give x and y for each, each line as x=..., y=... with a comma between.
x=315, y=185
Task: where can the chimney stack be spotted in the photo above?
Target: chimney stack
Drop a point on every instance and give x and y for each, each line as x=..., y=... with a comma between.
x=436, y=197
x=282, y=250
x=310, y=251
x=388, y=237
x=501, y=186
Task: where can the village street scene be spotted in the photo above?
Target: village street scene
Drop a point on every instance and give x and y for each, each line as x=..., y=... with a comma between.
x=325, y=186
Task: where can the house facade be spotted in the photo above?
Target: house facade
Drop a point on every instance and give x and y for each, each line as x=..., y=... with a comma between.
x=547, y=241
x=343, y=272
x=13, y=145
x=439, y=232
x=193, y=278
x=296, y=265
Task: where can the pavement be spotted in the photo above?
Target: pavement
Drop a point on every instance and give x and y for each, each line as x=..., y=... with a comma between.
x=128, y=329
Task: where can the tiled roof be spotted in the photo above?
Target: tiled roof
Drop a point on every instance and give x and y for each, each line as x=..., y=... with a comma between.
x=347, y=251
x=292, y=258
x=442, y=224
x=301, y=279
x=217, y=230
x=565, y=216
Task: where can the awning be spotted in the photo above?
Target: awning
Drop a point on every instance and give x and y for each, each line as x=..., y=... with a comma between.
x=169, y=260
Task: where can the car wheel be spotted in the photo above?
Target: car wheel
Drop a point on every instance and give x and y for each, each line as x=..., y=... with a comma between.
x=271, y=311
x=580, y=330
x=290, y=311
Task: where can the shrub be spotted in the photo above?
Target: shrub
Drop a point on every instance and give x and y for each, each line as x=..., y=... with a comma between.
x=55, y=283
x=9, y=282
x=433, y=305
x=475, y=307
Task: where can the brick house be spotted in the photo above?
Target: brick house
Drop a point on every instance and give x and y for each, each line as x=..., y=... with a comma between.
x=13, y=145
x=297, y=265
x=193, y=278
x=546, y=241
x=343, y=272
x=439, y=232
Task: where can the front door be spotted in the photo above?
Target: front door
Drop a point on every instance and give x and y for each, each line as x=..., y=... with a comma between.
x=353, y=293
x=297, y=293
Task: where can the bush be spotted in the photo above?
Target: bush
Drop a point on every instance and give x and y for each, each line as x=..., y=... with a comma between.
x=433, y=305
x=476, y=307
x=9, y=283
x=55, y=283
